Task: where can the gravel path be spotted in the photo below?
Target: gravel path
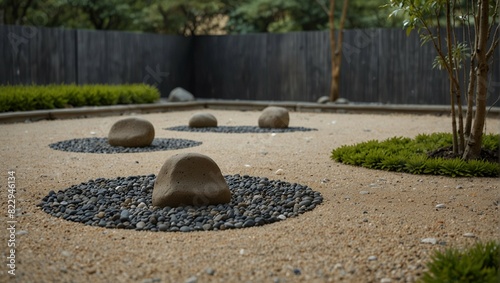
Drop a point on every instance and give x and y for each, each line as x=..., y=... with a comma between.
x=372, y=226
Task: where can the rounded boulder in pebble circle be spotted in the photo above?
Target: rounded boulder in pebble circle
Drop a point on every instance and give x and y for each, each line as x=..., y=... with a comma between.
x=202, y=120
x=131, y=132
x=274, y=117
x=190, y=179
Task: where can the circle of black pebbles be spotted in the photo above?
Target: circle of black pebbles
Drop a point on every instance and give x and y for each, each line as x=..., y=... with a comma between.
x=239, y=129
x=125, y=202
x=101, y=145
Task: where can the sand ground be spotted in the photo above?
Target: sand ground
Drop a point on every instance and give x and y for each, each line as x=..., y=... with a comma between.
x=350, y=237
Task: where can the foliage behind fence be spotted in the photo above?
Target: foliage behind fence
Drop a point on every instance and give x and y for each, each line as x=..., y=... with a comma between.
x=379, y=65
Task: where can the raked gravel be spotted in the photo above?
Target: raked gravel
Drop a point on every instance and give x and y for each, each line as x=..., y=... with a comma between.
x=372, y=225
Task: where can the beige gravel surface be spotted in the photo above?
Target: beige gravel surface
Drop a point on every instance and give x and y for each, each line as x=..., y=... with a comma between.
x=350, y=237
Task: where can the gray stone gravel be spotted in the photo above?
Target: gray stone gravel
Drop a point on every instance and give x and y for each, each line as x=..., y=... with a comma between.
x=239, y=129
x=125, y=202
x=101, y=145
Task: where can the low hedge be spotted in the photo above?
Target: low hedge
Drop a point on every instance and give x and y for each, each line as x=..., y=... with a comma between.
x=34, y=97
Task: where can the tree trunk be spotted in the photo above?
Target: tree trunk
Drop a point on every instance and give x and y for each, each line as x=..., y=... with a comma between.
x=474, y=143
x=453, y=88
x=334, y=89
x=336, y=48
x=470, y=98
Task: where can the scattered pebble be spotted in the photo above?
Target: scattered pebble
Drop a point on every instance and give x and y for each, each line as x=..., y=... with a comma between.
x=469, y=235
x=372, y=258
x=101, y=145
x=364, y=192
x=210, y=271
x=192, y=279
x=279, y=172
x=239, y=129
x=432, y=241
x=385, y=280
x=459, y=187
x=21, y=232
x=441, y=205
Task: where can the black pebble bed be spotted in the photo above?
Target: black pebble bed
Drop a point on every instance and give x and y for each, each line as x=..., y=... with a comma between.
x=125, y=202
x=101, y=145
x=239, y=129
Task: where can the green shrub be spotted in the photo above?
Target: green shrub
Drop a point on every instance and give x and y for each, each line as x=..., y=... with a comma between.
x=33, y=97
x=480, y=263
x=410, y=155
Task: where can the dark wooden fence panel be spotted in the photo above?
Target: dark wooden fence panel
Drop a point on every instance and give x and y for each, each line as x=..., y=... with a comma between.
x=317, y=73
x=36, y=55
x=91, y=58
x=231, y=67
x=117, y=58
x=286, y=66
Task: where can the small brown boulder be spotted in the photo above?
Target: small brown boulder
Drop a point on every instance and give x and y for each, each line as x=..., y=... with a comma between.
x=179, y=94
x=131, y=132
x=190, y=179
x=274, y=117
x=202, y=120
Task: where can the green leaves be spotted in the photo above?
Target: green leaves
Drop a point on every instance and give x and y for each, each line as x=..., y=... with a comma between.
x=460, y=52
x=402, y=154
x=25, y=98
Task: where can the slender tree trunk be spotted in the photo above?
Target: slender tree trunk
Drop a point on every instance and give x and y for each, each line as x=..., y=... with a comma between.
x=453, y=87
x=473, y=149
x=470, y=98
x=336, y=47
x=334, y=88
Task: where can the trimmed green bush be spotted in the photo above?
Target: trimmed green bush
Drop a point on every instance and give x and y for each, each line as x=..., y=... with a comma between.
x=33, y=97
x=408, y=155
x=480, y=263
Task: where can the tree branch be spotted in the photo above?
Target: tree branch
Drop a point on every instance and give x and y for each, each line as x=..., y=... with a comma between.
x=323, y=6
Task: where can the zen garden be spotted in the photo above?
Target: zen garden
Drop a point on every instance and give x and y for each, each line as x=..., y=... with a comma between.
x=250, y=141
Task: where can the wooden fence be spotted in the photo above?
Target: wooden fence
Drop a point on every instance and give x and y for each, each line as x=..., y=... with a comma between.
x=378, y=66
x=34, y=55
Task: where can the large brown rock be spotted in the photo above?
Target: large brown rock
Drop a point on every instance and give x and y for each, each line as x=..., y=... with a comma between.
x=274, y=117
x=202, y=120
x=190, y=179
x=131, y=132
